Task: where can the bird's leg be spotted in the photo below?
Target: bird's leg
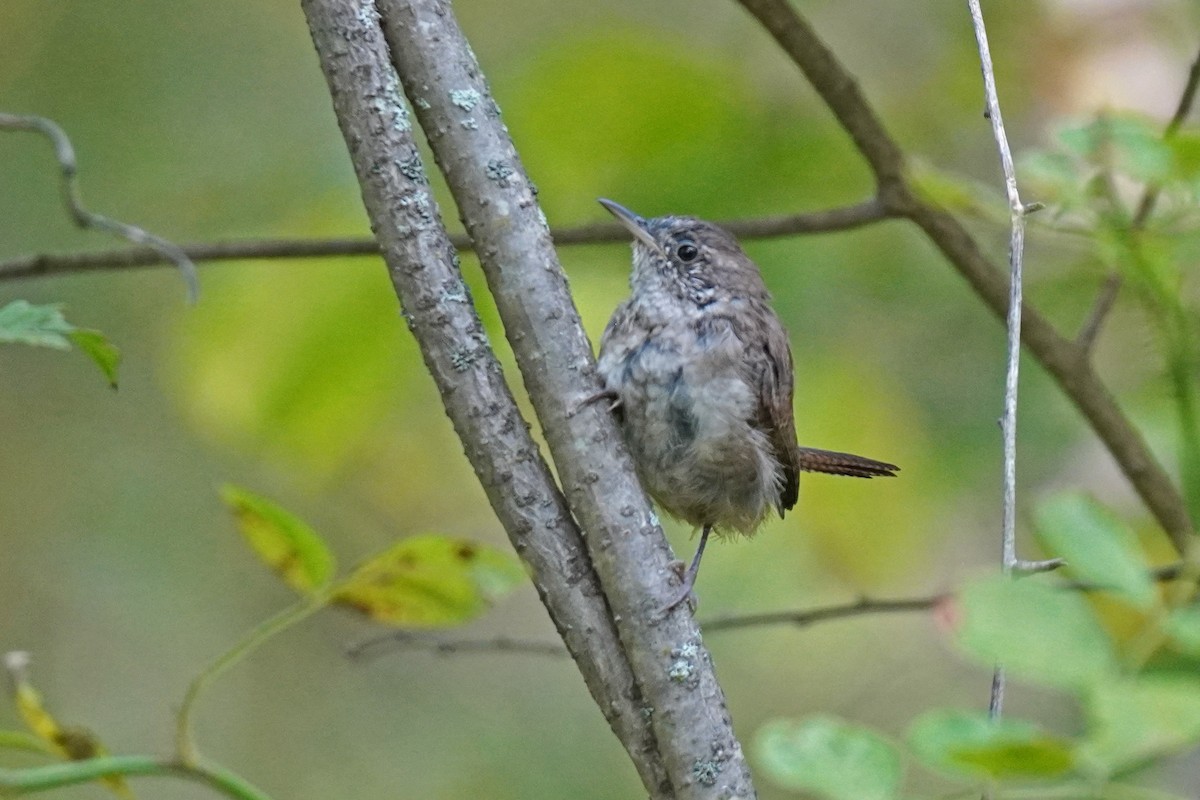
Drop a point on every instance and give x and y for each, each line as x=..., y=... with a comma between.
x=689, y=577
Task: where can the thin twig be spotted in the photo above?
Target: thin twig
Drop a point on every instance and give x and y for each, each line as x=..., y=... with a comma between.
x=1184, y=107
x=803, y=618
x=407, y=640
x=811, y=616
x=84, y=218
x=1099, y=313
x=1112, y=285
x=442, y=646
x=1016, y=253
x=830, y=220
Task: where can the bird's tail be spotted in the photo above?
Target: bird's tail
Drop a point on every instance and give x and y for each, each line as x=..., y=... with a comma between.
x=834, y=463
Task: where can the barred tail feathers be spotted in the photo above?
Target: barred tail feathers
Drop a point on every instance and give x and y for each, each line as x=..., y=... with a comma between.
x=835, y=463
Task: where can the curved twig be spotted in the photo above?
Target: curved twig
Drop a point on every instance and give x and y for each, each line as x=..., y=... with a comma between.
x=84, y=218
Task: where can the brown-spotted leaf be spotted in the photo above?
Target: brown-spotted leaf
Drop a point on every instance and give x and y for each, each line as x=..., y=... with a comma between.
x=430, y=581
x=282, y=540
x=70, y=742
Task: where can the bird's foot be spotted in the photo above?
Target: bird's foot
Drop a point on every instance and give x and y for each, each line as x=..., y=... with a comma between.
x=687, y=579
x=614, y=401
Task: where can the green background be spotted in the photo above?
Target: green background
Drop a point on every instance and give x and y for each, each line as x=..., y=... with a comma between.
x=209, y=119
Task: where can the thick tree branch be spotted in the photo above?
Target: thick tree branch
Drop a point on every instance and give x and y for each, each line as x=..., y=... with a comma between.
x=424, y=270
x=834, y=219
x=632, y=558
x=1066, y=362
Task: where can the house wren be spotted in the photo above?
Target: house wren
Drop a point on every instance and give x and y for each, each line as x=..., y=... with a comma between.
x=699, y=370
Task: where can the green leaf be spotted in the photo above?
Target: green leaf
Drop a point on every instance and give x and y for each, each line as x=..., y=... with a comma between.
x=1138, y=718
x=282, y=540
x=1037, y=632
x=1128, y=144
x=42, y=326
x=1052, y=177
x=430, y=581
x=830, y=758
x=99, y=349
x=1097, y=545
x=969, y=743
x=1183, y=625
x=45, y=326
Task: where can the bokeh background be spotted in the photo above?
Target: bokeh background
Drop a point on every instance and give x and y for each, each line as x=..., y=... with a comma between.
x=209, y=119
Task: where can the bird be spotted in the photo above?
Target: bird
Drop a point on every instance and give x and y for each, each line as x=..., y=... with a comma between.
x=698, y=369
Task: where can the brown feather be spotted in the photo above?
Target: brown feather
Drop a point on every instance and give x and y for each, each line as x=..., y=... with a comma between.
x=835, y=463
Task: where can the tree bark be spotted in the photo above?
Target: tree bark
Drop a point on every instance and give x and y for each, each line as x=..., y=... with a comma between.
x=496, y=202
x=424, y=270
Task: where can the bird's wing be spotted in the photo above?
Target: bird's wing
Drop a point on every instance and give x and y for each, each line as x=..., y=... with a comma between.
x=775, y=385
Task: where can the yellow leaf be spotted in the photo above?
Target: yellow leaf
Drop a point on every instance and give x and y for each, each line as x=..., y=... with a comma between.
x=70, y=742
x=430, y=581
x=282, y=540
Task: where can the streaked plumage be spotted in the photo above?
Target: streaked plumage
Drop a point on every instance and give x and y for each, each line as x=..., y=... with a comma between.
x=700, y=369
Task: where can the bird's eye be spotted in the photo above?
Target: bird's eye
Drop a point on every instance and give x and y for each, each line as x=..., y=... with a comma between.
x=687, y=252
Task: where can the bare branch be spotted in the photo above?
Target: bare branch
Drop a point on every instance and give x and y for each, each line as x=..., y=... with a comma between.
x=1063, y=359
x=424, y=271
x=496, y=201
x=811, y=616
x=446, y=646
x=803, y=618
x=84, y=218
x=1016, y=255
x=834, y=219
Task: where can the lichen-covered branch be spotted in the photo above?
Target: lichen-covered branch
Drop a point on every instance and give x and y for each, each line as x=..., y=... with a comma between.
x=496, y=202
x=1063, y=359
x=424, y=270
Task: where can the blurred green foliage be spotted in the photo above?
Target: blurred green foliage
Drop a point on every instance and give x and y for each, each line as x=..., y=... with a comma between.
x=206, y=120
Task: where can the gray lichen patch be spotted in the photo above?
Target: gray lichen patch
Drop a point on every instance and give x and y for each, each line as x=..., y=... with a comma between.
x=683, y=666
x=412, y=169
x=706, y=772
x=466, y=99
x=462, y=359
x=499, y=171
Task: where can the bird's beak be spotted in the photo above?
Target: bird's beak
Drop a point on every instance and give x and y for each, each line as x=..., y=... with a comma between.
x=635, y=224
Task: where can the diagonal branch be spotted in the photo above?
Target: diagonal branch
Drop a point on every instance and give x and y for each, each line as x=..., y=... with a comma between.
x=1066, y=362
x=424, y=271
x=496, y=201
x=834, y=219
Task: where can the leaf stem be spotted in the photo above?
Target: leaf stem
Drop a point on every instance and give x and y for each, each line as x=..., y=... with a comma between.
x=185, y=744
x=18, y=782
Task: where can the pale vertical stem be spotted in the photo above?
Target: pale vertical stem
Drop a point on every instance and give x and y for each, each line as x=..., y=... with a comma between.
x=1016, y=250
